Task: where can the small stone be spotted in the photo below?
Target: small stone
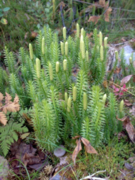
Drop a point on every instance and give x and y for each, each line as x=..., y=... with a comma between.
x=4, y=168
x=60, y=151
x=58, y=177
x=63, y=160
x=128, y=166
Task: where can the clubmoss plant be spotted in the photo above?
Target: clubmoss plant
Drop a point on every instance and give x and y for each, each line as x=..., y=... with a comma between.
x=63, y=108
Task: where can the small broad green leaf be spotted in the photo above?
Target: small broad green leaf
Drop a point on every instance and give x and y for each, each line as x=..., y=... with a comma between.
x=6, y=9
x=3, y=21
x=23, y=136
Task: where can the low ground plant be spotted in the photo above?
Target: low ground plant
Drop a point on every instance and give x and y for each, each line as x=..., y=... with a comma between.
x=65, y=103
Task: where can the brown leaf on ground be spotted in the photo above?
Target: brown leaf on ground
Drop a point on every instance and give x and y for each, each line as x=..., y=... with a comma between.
x=121, y=135
x=77, y=149
x=11, y=106
x=127, y=103
x=8, y=99
x=133, y=78
x=19, y=149
x=125, y=80
x=129, y=128
x=132, y=111
x=1, y=98
x=89, y=34
x=107, y=14
x=34, y=34
x=88, y=147
x=75, y=137
x=3, y=118
x=39, y=166
x=94, y=19
x=105, y=84
x=102, y=3
x=62, y=4
x=117, y=70
x=29, y=159
x=123, y=119
x=28, y=119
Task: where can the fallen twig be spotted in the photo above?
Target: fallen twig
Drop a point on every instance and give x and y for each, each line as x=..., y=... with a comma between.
x=94, y=178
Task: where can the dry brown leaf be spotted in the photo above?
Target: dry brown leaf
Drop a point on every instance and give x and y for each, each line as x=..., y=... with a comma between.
x=27, y=118
x=62, y=4
x=132, y=110
x=102, y=3
x=75, y=137
x=129, y=128
x=3, y=118
x=29, y=159
x=77, y=149
x=8, y=99
x=11, y=106
x=94, y=19
x=127, y=103
x=125, y=79
x=133, y=78
x=89, y=34
x=117, y=70
x=105, y=84
x=16, y=99
x=88, y=147
x=1, y=98
x=123, y=119
x=34, y=34
x=107, y=14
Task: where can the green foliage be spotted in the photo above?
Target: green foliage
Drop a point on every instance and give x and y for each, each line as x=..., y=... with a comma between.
x=64, y=105
x=110, y=158
x=111, y=126
x=11, y=123
x=9, y=134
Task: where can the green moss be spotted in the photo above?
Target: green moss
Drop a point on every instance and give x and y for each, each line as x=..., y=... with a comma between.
x=19, y=23
x=110, y=158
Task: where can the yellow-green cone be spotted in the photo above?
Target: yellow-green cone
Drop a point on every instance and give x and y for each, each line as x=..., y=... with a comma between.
x=121, y=105
x=104, y=98
x=69, y=104
x=62, y=48
x=74, y=93
x=105, y=42
x=38, y=67
x=64, y=33
x=100, y=38
x=31, y=51
x=57, y=66
x=65, y=64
